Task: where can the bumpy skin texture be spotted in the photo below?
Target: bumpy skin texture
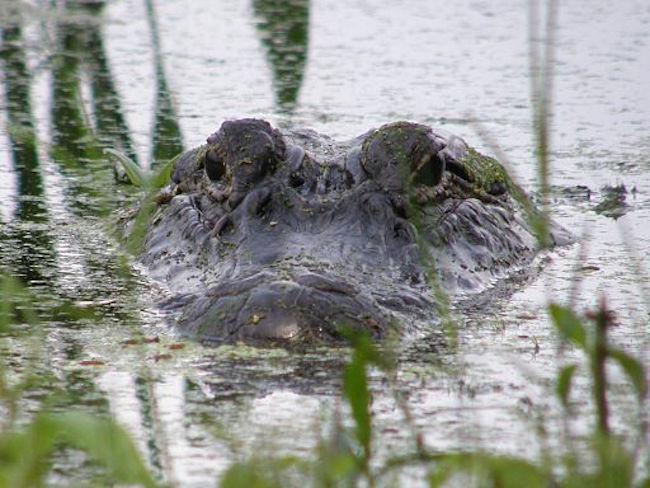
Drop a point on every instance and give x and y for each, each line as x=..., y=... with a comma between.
x=290, y=236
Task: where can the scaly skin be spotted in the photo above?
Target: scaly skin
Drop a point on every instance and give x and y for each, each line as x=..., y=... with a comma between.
x=271, y=236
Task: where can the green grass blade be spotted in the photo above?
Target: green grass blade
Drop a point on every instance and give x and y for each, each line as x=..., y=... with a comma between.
x=355, y=387
x=133, y=171
x=25, y=455
x=263, y=473
x=633, y=369
x=569, y=325
x=138, y=233
x=501, y=471
x=105, y=441
x=564, y=382
x=164, y=175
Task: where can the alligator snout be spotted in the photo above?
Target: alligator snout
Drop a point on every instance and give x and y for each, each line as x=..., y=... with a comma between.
x=270, y=306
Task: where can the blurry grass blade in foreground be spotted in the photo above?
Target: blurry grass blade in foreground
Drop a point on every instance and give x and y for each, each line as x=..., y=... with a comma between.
x=263, y=473
x=487, y=470
x=26, y=450
x=542, y=58
x=26, y=453
x=564, y=383
x=151, y=182
x=139, y=177
x=136, y=175
x=569, y=325
x=14, y=303
x=163, y=175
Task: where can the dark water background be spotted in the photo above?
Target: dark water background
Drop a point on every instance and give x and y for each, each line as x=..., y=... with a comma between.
x=152, y=78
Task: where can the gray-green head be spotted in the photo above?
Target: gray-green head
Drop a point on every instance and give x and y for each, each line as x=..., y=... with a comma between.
x=272, y=235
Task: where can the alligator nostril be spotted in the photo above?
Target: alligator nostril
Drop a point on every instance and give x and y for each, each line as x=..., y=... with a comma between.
x=215, y=168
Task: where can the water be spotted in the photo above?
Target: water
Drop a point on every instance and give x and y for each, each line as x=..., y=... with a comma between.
x=163, y=75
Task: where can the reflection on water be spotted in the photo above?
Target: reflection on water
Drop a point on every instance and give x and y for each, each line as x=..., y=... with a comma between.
x=26, y=247
x=112, y=130
x=284, y=31
x=193, y=409
x=77, y=278
x=167, y=141
x=73, y=141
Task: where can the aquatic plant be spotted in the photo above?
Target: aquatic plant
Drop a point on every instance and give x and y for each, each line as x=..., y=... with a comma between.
x=150, y=183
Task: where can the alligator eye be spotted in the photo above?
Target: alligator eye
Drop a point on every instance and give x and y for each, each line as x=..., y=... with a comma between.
x=427, y=170
x=457, y=169
x=215, y=168
x=402, y=154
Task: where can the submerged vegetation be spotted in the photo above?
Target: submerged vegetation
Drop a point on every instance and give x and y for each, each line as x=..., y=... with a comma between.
x=44, y=425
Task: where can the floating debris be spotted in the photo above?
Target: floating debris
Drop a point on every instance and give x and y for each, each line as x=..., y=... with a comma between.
x=613, y=203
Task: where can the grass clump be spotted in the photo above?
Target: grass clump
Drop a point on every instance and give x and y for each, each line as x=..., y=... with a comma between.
x=150, y=183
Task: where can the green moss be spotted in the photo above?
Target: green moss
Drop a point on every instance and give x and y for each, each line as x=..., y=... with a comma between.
x=485, y=172
x=199, y=160
x=396, y=142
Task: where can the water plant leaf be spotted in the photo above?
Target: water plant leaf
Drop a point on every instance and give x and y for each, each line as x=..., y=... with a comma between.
x=7, y=287
x=569, y=325
x=162, y=177
x=138, y=233
x=633, y=369
x=134, y=172
x=366, y=350
x=355, y=388
x=564, y=382
x=261, y=473
x=615, y=464
x=15, y=303
x=105, y=441
x=26, y=454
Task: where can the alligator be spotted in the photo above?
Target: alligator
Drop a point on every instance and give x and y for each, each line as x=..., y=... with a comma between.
x=269, y=235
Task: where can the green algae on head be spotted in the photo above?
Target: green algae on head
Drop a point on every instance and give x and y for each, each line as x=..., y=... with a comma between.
x=484, y=172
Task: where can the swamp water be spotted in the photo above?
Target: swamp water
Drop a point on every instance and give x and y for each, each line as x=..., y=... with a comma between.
x=151, y=79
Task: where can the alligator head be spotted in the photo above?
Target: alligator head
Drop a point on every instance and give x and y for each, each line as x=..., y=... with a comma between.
x=265, y=235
